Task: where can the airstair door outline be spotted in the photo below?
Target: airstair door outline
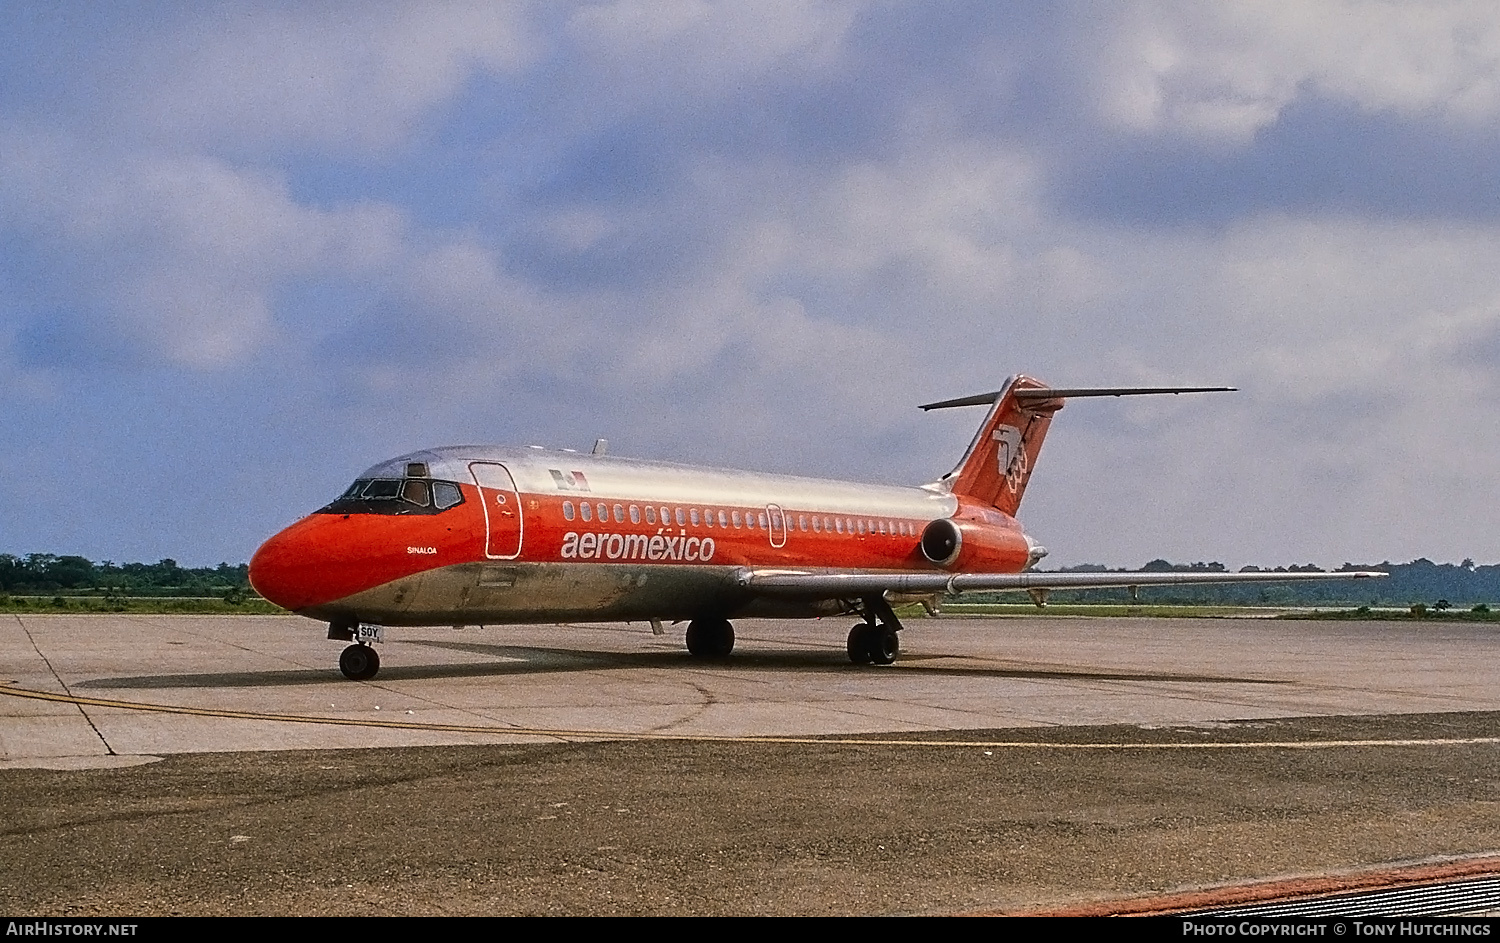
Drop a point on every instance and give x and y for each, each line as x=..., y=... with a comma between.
x=502, y=510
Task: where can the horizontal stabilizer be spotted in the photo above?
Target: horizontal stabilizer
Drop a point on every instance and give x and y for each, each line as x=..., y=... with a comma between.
x=1046, y=393
x=839, y=585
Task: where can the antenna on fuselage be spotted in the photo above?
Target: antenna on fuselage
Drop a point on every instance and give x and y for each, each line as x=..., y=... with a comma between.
x=601, y=446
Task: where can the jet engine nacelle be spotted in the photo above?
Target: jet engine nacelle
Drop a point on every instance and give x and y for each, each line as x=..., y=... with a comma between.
x=942, y=542
x=964, y=544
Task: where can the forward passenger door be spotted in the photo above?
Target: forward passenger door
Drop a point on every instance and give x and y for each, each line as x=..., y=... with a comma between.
x=502, y=510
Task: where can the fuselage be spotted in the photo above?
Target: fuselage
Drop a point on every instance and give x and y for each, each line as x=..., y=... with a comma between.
x=485, y=535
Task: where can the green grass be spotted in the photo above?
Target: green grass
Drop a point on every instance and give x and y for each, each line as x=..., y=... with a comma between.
x=138, y=605
x=1159, y=611
x=1400, y=615
x=1183, y=611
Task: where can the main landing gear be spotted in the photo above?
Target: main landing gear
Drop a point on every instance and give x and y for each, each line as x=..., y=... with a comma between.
x=710, y=638
x=873, y=644
x=359, y=662
x=874, y=641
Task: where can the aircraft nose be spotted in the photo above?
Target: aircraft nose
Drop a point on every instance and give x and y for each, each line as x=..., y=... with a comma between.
x=285, y=569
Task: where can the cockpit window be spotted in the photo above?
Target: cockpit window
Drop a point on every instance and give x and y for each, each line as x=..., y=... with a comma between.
x=396, y=496
x=445, y=494
x=383, y=488
x=416, y=492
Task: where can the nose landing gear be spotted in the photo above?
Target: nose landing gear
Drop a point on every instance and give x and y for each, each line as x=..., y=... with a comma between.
x=359, y=662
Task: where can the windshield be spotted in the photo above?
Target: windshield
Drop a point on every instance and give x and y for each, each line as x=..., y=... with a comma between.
x=396, y=496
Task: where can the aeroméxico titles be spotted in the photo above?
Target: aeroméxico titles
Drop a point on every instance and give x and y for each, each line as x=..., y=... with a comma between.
x=472, y=535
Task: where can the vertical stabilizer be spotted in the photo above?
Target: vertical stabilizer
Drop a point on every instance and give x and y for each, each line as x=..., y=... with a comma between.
x=1000, y=459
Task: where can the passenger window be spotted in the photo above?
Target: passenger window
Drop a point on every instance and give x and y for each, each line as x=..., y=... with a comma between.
x=567, y=510
x=619, y=514
x=817, y=526
x=587, y=510
x=838, y=522
x=736, y=518
x=723, y=519
x=635, y=514
x=695, y=516
x=666, y=515
x=763, y=521
x=603, y=513
x=650, y=515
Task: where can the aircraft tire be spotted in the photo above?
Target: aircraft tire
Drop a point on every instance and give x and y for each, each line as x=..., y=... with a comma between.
x=359, y=662
x=885, y=645
x=710, y=638
x=859, y=644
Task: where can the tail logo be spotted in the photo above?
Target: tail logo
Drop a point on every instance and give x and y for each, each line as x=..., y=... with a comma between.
x=1010, y=458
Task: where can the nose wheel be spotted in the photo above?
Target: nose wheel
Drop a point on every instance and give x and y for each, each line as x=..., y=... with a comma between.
x=359, y=662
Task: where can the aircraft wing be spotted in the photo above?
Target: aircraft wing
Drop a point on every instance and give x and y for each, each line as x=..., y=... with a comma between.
x=844, y=584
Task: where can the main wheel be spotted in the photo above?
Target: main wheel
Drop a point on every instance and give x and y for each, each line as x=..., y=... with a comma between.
x=359, y=662
x=710, y=638
x=859, y=644
x=884, y=645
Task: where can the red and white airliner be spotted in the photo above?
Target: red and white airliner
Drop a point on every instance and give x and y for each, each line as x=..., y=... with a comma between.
x=472, y=535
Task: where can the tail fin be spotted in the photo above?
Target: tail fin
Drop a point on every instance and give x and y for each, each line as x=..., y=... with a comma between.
x=1000, y=459
x=998, y=464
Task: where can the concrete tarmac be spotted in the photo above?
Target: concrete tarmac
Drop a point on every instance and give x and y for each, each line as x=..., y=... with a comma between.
x=1017, y=763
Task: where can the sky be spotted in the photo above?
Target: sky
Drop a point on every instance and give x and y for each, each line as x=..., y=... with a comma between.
x=249, y=249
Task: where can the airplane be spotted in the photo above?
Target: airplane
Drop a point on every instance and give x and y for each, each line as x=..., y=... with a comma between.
x=479, y=535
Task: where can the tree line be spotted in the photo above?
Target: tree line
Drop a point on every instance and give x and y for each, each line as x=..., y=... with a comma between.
x=1439, y=585
x=50, y=573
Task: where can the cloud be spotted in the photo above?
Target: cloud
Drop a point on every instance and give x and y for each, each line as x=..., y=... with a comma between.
x=1223, y=72
x=180, y=256
x=701, y=50
x=340, y=78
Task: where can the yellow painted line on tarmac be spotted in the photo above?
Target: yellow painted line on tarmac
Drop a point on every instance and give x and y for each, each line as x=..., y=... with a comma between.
x=713, y=738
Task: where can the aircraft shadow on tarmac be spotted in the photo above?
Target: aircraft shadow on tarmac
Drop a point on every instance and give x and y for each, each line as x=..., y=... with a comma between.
x=528, y=660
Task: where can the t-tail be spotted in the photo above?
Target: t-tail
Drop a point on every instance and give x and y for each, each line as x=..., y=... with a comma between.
x=1000, y=460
